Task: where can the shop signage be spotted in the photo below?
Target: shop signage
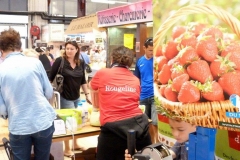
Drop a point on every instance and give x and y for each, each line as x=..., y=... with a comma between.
x=133, y=13
x=56, y=32
x=52, y=32
x=83, y=25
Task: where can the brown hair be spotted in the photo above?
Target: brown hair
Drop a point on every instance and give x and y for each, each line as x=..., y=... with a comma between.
x=10, y=40
x=123, y=56
x=30, y=53
x=76, y=57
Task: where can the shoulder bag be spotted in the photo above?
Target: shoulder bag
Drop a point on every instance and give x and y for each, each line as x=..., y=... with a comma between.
x=58, y=80
x=87, y=67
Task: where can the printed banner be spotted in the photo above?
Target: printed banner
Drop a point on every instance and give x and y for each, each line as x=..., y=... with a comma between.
x=133, y=13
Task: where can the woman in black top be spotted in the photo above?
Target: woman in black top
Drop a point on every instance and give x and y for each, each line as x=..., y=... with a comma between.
x=74, y=78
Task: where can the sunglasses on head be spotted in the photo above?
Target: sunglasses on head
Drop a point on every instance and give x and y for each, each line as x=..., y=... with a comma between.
x=148, y=40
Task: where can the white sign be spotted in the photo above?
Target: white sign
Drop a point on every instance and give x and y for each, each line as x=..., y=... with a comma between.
x=59, y=127
x=56, y=32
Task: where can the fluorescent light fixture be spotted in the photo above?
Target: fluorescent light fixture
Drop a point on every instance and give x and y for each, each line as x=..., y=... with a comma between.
x=103, y=1
x=149, y=24
x=109, y=2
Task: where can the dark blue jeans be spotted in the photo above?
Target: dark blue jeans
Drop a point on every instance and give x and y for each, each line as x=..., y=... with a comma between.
x=150, y=109
x=22, y=144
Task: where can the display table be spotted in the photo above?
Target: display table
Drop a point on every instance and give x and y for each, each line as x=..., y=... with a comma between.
x=86, y=131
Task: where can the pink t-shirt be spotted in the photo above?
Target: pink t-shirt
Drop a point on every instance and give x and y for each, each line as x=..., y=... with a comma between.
x=119, y=92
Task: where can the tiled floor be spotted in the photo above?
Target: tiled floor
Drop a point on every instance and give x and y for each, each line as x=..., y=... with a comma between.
x=85, y=142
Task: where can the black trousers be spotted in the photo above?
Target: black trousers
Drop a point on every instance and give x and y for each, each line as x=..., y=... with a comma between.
x=112, y=145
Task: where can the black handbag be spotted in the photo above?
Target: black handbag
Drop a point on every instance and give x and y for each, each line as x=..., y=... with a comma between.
x=58, y=80
x=87, y=67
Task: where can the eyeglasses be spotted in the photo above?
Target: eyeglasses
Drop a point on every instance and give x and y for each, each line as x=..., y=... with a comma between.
x=149, y=40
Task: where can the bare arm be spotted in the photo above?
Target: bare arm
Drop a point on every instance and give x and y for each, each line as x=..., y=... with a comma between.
x=85, y=90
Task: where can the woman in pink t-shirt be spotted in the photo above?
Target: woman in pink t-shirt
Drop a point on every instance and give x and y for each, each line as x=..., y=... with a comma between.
x=119, y=92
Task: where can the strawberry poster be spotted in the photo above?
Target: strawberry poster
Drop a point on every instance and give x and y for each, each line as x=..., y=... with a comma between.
x=197, y=67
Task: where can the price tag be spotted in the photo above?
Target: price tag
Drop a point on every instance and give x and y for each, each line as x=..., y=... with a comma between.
x=59, y=127
x=235, y=100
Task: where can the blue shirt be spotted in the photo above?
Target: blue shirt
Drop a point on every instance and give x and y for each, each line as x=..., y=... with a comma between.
x=144, y=71
x=85, y=57
x=24, y=93
x=180, y=150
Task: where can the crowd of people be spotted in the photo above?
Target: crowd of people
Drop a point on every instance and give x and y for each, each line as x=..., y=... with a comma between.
x=28, y=81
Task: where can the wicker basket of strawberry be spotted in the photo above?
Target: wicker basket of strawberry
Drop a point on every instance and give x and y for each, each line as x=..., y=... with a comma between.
x=198, y=69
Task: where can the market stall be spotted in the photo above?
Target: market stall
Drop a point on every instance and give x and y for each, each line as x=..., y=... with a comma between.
x=128, y=25
x=85, y=32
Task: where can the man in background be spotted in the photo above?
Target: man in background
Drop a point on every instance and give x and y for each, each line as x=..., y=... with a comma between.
x=44, y=59
x=84, y=56
x=49, y=55
x=144, y=71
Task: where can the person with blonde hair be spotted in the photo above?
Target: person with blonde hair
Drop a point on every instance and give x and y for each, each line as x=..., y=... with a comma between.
x=24, y=93
x=62, y=52
x=30, y=53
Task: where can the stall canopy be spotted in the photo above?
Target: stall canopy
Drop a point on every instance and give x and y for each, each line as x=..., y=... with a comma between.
x=83, y=25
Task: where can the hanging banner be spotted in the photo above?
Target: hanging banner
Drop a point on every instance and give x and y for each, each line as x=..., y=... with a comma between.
x=133, y=13
x=128, y=40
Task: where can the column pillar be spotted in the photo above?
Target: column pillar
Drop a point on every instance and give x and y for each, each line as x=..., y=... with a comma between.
x=38, y=6
x=141, y=37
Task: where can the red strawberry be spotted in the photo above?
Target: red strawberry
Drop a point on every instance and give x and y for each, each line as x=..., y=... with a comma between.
x=230, y=82
x=155, y=76
x=173, y=61
x=207, y=48
x=220, y=66
x=170, y=50
x=197, y=28
x=212, y=91
x=233, y=50
x=177, y=31
x=177, y=70
x=189, y=93
x=165, y=74
x=170, y=94
x=199, y=70
x=187, y=39
x=187, y=55
x=161, y=61
x=178, y=81
x=161, y=90
x=159, y=51
x=214, y=31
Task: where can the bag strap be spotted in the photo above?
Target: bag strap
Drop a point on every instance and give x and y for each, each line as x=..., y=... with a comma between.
x=82, y=58
x=61, y=66
x=84, y=63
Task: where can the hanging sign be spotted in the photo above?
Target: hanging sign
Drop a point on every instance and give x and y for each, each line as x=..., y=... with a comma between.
x=128, y=40
x=133, y=13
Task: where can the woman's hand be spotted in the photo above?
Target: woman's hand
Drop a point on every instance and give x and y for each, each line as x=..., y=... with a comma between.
x=88, y=99
x=127, y=156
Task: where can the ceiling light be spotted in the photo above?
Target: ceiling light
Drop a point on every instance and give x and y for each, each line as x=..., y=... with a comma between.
x=109, y=2
x=103, y=1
